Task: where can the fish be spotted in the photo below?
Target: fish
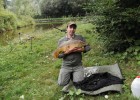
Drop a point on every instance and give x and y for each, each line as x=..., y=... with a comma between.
x=68, y=45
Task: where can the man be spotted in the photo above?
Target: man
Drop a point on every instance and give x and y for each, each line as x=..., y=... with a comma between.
x=72, y=68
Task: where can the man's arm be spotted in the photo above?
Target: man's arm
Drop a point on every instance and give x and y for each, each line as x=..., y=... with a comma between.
x=86, y=48
x=61, y=55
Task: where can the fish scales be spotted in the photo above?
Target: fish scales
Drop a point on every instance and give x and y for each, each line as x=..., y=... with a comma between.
x=68, y=45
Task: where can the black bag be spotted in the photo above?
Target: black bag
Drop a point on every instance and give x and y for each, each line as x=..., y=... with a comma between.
x=97, y=81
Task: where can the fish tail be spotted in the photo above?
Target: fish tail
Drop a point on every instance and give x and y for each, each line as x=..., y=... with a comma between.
x=55, y=54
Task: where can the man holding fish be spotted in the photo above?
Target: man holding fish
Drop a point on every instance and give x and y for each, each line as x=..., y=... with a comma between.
x=70, y=48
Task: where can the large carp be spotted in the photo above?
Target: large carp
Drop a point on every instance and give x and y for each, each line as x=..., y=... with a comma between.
x=68, y=45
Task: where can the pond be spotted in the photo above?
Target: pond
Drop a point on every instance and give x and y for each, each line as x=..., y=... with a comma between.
x=8, y=36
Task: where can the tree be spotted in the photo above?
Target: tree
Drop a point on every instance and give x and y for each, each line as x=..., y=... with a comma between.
x=26, y=7
x=3, y=4
x=59, y=8
x=118, y=23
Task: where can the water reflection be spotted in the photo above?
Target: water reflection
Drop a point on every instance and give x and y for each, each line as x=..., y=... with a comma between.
x=8, y=36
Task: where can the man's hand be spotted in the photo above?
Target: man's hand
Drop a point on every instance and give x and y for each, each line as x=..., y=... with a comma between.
x=76, y=49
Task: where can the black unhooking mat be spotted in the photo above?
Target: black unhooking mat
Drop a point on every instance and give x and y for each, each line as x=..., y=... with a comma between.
x=97, y=81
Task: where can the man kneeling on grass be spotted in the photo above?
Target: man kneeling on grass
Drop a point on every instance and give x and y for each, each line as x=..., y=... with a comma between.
x=72, y=68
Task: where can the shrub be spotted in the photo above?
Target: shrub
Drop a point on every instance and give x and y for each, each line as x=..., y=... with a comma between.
x=7, y=20
x=118, y=24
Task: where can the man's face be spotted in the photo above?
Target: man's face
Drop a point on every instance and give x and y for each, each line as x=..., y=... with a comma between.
x=71, y=30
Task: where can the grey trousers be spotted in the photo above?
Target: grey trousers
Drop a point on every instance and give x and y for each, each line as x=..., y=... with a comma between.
x=66, y=74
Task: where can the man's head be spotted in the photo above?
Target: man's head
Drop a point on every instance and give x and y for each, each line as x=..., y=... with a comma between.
x=71, y=28
x=72, y=24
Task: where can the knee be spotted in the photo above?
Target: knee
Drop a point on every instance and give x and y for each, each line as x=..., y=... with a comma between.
x=62, y=83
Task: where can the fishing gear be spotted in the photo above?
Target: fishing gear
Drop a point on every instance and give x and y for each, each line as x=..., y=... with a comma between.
x=31, y=37
x=19, y=37
x=28, y=38
x=60, y=29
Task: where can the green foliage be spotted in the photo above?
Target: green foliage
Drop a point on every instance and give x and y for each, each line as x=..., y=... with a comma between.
x=7, y=20
x=47, y=8
x=128, y=3
x=23, y=21
x=59, y=8
x=73, y=95
x=10, y=21
x=25, y=7
x=1, y=4
x=118, y=23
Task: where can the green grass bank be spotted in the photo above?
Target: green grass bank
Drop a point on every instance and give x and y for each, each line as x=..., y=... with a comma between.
x=10, y=21
x=31, y=72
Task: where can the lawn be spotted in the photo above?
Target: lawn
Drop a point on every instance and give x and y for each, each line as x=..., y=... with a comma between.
x=30, y=72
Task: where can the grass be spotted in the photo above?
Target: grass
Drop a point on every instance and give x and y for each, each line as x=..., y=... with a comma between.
x=33, y=74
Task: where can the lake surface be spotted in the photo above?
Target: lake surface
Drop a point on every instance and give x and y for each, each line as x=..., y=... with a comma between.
x=8, y=36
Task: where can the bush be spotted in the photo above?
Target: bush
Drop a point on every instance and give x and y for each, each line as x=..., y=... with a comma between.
x=118, y=24
x=7, y=20
x=10, y=21
x=24, y=21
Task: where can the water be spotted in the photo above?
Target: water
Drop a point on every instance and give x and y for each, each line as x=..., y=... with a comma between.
x=8, y=36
